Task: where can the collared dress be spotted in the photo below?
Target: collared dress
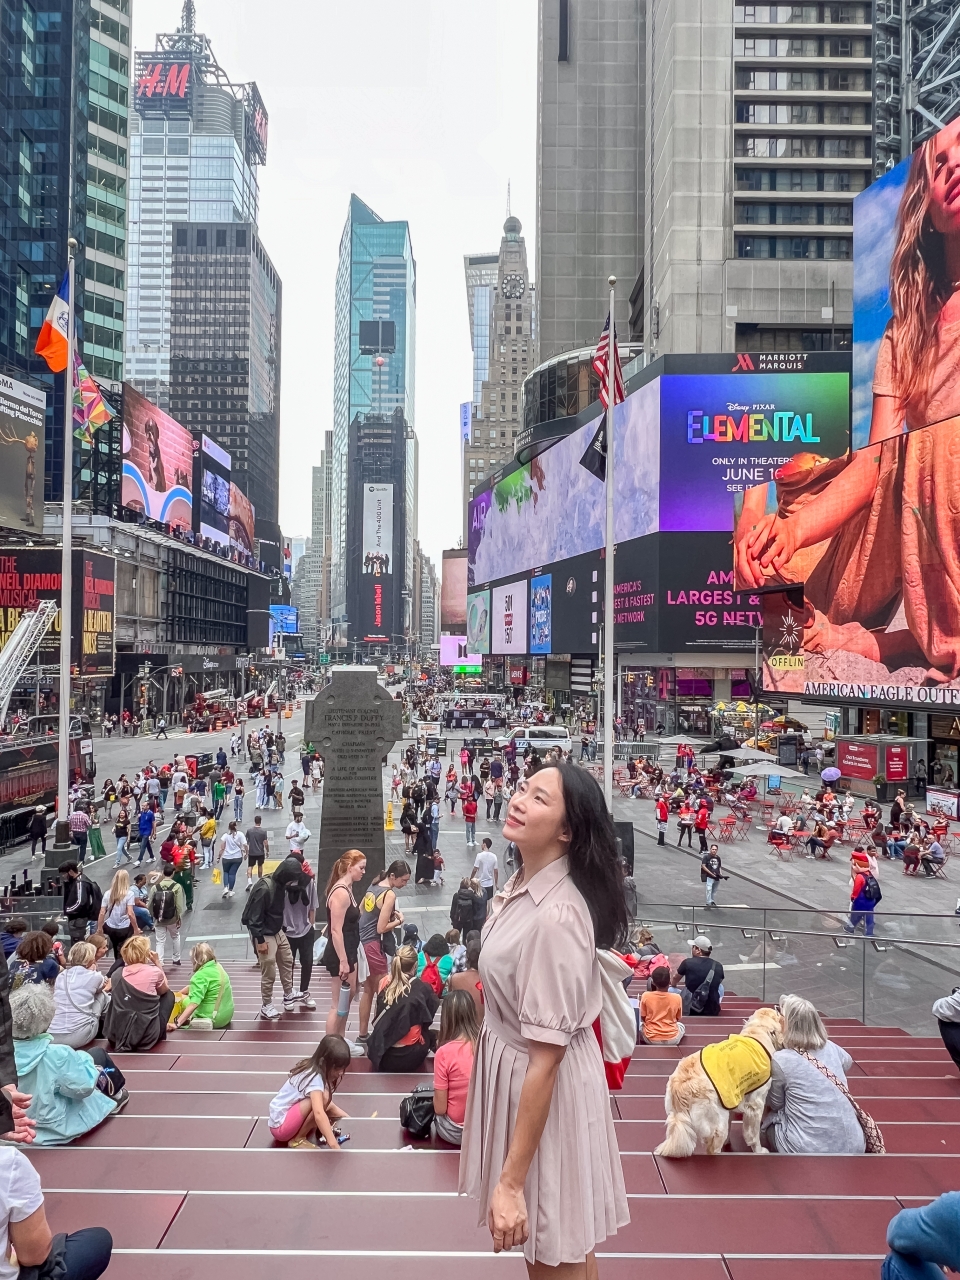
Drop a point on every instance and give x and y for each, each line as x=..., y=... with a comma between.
x=541, y=982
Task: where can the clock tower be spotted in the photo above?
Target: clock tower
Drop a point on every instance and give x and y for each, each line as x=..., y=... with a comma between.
x=499, y=414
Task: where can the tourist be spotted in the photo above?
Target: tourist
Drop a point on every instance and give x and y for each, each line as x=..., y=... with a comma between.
x=486, y=869
x=207, y=1004
x=208, y=836
x=408, y=824
x=305, y=1103
x=695, y=972
x=468, y=978
x=469, y=907
x=379, y=917
x=660, y=1011
x=117, y=918
x=238, y=793
x=299, y=916
x=468, y=807
x=864, y=895
x=343, y=937
x=453, y=1064
x=947, y=1013
x=806, y=1112
x=71, y=1091
x=33, y=961
x=297, y=833
x=140, y=1000
x=80, y=824
x=146, y=827
x=167, y=906
x=25, y=1232
x=425, y=867
x=37, y=830
x=263, y=917
x=233, y=846
x=258, y=846
x=435, y=963
x=81, y=900
x=80, y=996
x=932, y=856
x=539, y=1082
x=401, y=1038
x=711, y=873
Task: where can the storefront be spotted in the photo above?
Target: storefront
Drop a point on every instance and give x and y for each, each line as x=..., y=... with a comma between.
x=863, y=758
x=682, y=699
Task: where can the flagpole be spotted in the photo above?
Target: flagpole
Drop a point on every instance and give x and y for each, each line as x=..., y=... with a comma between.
x=608, y=563
x=66, y=568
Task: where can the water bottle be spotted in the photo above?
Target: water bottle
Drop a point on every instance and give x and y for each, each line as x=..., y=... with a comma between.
x=343, y=1004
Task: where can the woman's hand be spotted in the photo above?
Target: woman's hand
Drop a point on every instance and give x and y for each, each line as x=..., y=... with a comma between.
x=344, y=970
x=507, y=1218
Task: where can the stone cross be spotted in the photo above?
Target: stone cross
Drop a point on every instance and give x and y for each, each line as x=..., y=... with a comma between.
x=353, y=722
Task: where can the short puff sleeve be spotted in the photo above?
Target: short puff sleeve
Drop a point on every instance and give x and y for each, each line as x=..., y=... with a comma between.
x=883, y=369
x=557, y=980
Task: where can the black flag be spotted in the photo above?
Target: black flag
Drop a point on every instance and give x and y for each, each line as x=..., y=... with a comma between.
x=595, y=456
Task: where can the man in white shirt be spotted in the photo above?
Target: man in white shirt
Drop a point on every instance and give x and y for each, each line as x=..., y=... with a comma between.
x=23, y=1224
x=297, y=834
x=487, y=869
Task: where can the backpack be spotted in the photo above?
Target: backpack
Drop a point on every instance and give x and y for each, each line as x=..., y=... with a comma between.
x=96, y=898
x=463, y=910
x=259, y=891
x=431, y=976
x=699, y=998
x=871, y=889
x=164, y=905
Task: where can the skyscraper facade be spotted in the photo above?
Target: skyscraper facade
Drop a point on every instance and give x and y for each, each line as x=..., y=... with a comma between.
x=376, y=281
x=196, y=143
x=480, y=273
x=64, y=100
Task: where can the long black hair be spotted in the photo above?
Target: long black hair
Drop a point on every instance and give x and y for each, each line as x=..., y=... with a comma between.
x=594, y=862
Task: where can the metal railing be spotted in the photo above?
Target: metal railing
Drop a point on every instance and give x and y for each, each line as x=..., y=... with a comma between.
x=891, y=978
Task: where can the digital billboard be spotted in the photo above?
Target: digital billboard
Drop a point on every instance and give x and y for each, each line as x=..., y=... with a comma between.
x=509, y=608
x=211, y=485
x=478, y=621
x=541, y=613
x=286, y=619
x=376, y=577
x=22, y=411
x=453, y=591
x=157, y=463
x=455, y=652
x=243, y=520
x=31, y=574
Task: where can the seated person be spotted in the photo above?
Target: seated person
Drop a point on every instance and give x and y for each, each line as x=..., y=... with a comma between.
x=924, y=1241
x=660, y=1011
x=436, y=954
x=71, y=1091
x=911, y=857
x=805, y=1113
x=453, y=1064
x=141, y=1001
x=140, y=890
x=695, y=972
x=305, y=1105
x=468, y=978
x=784, y=824
x=401, y=1038
x=24, y=1230
x=208, y=999
x=80, y=995
x=932, y=856
x=33, y=960
x=12, y=934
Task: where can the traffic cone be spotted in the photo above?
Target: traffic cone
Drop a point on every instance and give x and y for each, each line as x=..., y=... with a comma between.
x=388, y=824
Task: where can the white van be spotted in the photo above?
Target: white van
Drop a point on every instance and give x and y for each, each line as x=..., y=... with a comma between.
x=539, y=736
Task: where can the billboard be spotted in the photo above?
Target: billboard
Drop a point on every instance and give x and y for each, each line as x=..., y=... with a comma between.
x=31, y=574
x=541, y=613
x=243, y=520
x=455, y=652
x=478, y=621
x=509, y=630
x=163, y=80
x=377, y=549
x=157, y=463
x=453, y=592
x=22, y=411
x=211, y=482
x=286, y=619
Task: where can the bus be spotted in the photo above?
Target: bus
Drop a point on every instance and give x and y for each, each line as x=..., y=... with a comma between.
x=29, y=768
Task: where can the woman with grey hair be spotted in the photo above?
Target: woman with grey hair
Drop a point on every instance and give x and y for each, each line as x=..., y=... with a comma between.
x=806, y=1111
x=72, y=1091
x=80, y=995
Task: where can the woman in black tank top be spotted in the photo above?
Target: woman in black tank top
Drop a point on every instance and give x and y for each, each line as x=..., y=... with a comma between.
x=343, y=932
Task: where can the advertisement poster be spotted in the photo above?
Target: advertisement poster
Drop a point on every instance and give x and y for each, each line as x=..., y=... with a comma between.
x=857, y=760
x=30, y=574
x=286, y=619
x=699, y=606
x=943, y=804
x=157, y=463
x=510, y=617
x=212, y=472
x=242, y=520
x=540, y=613
x=22, y=411
x=455, y=652
x=377, y=548
x=453, y=592
x=897, y=764
x=478, y=621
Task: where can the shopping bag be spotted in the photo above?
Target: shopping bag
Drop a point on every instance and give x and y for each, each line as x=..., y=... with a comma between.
x=217, y=877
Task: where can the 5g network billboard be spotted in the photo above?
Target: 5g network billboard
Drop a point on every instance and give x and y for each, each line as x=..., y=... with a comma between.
x=874, y=537
x=376, y=576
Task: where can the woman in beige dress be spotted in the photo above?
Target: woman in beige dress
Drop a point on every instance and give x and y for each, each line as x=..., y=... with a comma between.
x=539, y=1148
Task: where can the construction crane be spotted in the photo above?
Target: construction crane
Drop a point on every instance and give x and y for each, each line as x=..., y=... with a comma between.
x=18, y=652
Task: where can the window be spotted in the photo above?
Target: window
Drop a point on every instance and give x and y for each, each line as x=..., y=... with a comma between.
x=181, y=237
x=241, y=239
x=221, y=239
x=201, y=238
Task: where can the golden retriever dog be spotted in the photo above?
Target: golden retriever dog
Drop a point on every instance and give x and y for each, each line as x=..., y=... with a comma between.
x=695, y=1109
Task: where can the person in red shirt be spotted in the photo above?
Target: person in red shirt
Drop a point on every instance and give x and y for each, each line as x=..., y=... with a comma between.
x=686, y=824
x=663, y=814
x=862, y=899
x=469, y=808
x=700, y=823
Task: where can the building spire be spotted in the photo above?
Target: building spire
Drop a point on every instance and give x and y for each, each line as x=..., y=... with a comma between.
x=188, y=18
x=508, y=197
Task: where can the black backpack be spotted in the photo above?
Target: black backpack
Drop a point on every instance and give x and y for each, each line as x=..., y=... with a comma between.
x=463, y=910
x=163, y=906
x=260, y=890
x=700, y=997
x=871, y=888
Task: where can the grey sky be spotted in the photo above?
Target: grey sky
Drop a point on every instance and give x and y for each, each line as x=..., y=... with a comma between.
x=424, y=108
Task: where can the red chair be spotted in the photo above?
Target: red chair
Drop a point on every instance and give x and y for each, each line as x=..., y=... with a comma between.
x=726, y=827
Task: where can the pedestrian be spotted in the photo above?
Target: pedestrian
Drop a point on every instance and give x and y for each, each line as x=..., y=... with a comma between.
x=452, y=794
x=489, y=793
x=232, y=848
x=663, y=816
x=258, y=846
x=161, y=728
x=81, y=900
x=281, y=745
x=711, y=873
x=299, y=918
x=434, y=822
x=208, y=837
x=297, y=833
x=469, y=808
x=219, y=797
x=263, y=917
x=295, y=796
x=37, y=831
x=700, y=822
x=167, y=905
x=497, y=796
x=238, y=794
x=685, y=823
x=80, y=825
x=184, y=859
x=864, y=895
x=116, y=918
x=146, y=826
x=343, y=937
x=486, y=870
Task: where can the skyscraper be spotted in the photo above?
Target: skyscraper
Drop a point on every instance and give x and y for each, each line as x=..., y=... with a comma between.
x=64, y=91
x=373, y=363
x=196, y=142
x=480, y=274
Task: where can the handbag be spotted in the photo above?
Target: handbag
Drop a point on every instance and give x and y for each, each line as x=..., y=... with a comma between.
x=416, y=1111
x=696, y=1001
x=873, y=1138
x=216, y=876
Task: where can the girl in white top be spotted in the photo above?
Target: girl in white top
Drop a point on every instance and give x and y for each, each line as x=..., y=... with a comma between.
x=305, y=1103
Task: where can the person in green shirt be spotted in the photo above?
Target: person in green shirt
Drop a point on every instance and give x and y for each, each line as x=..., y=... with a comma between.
x=436, y=949
x=219, y=797
x=209, y=994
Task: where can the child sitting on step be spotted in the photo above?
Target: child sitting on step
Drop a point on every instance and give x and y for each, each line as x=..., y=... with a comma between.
x=305, y=1103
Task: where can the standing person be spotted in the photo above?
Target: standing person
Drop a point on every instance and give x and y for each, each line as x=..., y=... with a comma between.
x=711, y=873
x=208, y=836
x=218, y=797
x=299, y=917
x=238, y=794
x=685, y=823
x=81, y=900
x=263, y=916
x=489, y=794
x=80, y=825
x=453, y=1064
x=343, y=938
x=539, y=1082
x=167, y=906
x=116, y=919
x=486, y=869
x=161, y=728
x=864, y=895
x=258, y=846
x=452, y=794
x=663, y=817
x=379, y=917
x=121, y=829
x=497, y=795
x=469, y=808
x=38, y=830
x=146, y=826
x=295, y=796
x=297, y=833
x=700, y=822
x=232, y=848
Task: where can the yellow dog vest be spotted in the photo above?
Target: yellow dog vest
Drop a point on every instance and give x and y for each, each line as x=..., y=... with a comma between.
x=736, y=1066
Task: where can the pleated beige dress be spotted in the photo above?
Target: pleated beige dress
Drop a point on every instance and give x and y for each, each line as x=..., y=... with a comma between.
x=541, y=982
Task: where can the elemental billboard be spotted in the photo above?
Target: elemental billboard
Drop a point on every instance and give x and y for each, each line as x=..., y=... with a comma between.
x=22, y=411
x=31, y=574
x=157, y=463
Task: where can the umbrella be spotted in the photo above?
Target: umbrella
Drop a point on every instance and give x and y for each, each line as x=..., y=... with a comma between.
x=682, y=741
x=789, y=722
x=747, y=754
x=830, y=775
x=760, y=770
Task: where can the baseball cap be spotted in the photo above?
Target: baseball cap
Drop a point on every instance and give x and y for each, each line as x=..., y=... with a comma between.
x=700, y=941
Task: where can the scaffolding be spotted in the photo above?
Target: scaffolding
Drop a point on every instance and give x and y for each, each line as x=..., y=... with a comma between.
x=916, y=75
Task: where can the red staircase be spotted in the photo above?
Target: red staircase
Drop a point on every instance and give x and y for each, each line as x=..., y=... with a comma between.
x=190, y=1185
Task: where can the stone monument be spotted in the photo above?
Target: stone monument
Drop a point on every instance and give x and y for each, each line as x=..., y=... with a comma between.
x=353, y=722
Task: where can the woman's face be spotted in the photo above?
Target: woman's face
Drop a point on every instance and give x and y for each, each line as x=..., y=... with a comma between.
x=945, y=180
x=399, y=882
x=358, y=870
x=536, y=815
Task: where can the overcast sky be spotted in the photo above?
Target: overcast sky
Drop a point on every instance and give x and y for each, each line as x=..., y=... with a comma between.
x=424, y=108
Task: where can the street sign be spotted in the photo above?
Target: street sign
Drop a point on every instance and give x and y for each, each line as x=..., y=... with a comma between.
x=323, y=659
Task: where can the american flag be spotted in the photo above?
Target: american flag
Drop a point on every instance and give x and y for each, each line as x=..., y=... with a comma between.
x=595, y=457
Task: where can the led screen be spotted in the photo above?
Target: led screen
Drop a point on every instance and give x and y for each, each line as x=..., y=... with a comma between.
x=478, y=621
x=157, y=463
x=509, y=634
